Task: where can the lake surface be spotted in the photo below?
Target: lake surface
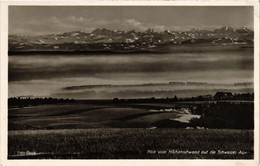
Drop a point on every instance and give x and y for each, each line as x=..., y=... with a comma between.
x=127, y=75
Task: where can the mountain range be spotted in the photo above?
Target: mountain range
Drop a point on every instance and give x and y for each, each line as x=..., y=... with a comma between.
x=102, y=39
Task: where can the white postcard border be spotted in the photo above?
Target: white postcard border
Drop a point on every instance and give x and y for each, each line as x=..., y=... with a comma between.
x=184, y=162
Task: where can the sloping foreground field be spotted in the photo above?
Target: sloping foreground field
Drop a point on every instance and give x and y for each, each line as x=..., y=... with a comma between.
x=130, y=143
x=82, y=116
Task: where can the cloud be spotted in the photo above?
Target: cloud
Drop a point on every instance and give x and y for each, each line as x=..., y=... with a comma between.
x=55, y=25
x=72, y=23
x=48, y=67
x=135, y=24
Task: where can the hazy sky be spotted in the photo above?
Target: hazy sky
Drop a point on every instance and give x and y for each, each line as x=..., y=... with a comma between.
x=45, y=20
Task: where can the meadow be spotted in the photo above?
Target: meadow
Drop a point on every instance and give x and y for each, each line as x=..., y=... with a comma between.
x=88, y=115
x=107, y=130
x=131, y=144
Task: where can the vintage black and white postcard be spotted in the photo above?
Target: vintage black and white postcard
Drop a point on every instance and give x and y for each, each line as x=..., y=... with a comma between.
x=145, y=83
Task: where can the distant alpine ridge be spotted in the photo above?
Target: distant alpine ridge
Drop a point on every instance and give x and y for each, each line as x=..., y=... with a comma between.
x=102, y=39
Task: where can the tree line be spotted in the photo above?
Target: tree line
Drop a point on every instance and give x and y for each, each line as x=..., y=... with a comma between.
x=224, y=115
x=24, y=102
x=219, y=96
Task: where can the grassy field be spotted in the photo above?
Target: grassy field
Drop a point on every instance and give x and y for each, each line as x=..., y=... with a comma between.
x=82, y=116
x=117, y=131
x=131, y=144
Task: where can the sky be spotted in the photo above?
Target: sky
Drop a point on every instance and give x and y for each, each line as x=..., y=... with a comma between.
x=35, y=20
